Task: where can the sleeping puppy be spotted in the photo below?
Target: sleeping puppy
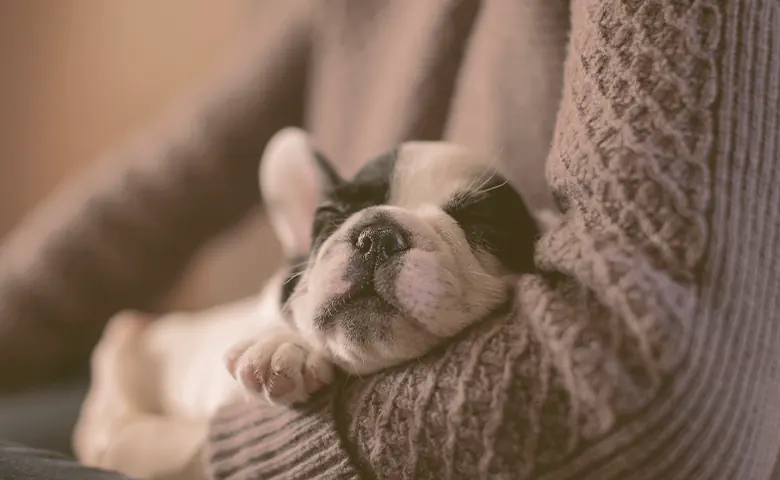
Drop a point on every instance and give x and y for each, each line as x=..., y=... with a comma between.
x=422, y=242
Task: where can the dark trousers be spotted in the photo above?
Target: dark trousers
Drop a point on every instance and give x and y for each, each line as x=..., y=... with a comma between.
x=35, y=429
x=18, y=462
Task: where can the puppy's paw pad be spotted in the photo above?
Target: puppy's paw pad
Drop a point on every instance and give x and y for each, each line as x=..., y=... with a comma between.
x=283, y=374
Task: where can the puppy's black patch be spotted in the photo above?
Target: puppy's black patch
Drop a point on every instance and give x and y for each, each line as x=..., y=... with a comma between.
x=370, y=187
x=497, y=220
x=332, y=178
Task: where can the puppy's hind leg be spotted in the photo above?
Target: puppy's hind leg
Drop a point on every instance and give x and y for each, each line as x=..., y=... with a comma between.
x=115, y=432
x=148, y=446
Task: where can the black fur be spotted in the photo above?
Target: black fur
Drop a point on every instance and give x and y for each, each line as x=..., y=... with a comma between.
x=498, y=221
x=370, y=187
x=332, y=178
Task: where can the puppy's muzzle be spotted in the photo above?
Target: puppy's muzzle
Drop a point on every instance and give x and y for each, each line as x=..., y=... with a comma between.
x=378, y=245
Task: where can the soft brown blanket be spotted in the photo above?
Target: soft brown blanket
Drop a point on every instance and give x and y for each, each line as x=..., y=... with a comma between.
x=648, y=346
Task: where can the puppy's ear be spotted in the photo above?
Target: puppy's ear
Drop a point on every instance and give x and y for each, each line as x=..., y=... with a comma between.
x=294, y=177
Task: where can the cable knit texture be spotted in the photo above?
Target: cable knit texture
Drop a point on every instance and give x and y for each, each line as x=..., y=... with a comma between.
x=647, y=345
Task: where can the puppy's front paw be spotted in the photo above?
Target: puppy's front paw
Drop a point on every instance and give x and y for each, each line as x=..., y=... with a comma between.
x=284, y=372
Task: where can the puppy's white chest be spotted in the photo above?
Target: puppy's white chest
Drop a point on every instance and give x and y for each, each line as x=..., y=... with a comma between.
x=188, y=352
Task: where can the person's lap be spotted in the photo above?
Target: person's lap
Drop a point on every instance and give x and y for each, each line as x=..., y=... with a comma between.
x=43, y=416
x=36, y=427
x=19, y=462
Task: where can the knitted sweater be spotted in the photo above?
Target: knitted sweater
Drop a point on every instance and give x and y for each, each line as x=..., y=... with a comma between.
x=646, y=347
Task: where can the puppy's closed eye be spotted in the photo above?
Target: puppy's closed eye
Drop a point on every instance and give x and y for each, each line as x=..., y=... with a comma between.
x=495, y=219
x=327, y=219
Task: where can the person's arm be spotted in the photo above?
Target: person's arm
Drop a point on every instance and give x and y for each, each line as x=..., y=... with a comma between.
x=644, y=348
x=119, y=235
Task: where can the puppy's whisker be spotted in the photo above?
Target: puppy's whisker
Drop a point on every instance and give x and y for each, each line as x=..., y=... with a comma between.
x=294, y=276
x=494, y=187
x=472, y=193
x=473, y=189
x=295, y=266
x=452, y=279
x=491, y=172
x=481, y=274
x=482, y=190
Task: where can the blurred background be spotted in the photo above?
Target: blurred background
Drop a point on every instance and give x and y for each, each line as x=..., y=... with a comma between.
x=80, y=77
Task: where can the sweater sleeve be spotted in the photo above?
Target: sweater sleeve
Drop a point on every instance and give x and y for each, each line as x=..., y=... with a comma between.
x=624, y=358
x=119, y=235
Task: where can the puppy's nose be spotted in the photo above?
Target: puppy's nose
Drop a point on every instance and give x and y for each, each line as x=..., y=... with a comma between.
x=380, y=242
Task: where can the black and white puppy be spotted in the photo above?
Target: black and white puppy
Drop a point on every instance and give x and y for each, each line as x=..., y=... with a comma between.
x=421, y=243
x=424, y=241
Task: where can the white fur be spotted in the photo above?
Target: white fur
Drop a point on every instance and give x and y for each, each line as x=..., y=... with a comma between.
x=291, y=187
x=431, y=172
x=177, y=366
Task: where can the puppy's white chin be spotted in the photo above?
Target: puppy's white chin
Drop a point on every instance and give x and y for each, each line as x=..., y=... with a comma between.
x=356, y=360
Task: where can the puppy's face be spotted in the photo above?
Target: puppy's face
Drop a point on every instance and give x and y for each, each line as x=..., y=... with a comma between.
x=419, y=244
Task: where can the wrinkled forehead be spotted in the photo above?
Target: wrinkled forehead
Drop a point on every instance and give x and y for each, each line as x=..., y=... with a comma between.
x=414, y=174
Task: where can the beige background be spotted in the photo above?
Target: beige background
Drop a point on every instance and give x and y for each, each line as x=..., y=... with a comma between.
x=80, y=76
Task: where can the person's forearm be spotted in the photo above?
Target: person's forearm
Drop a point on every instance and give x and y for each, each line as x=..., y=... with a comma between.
x=120, y=235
